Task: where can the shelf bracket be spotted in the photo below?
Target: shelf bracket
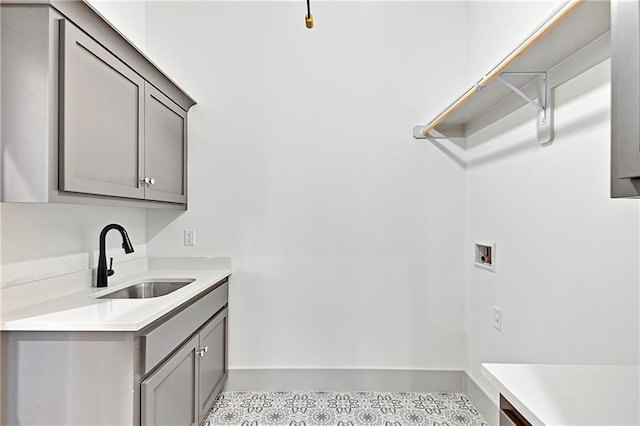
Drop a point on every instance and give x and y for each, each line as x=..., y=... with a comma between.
x=541, y=102
x=543, y=105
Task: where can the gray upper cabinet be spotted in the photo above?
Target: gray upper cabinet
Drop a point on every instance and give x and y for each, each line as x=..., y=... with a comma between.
x=87, y=118
x=625, y=99
x=119, y=135
x=101, y=119
x=165, y=159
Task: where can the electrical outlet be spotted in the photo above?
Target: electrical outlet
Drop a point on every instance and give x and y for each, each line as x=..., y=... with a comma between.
x=189, y=237
x=497, y=318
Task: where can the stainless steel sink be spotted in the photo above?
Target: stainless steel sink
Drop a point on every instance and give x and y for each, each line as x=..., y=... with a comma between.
x=147, y=289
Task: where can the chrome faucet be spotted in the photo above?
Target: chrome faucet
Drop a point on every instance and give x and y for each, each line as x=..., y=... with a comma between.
x=103, y=272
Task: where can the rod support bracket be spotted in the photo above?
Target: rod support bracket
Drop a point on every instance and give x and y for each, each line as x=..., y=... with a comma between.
x=543, y=103
x=417, y=132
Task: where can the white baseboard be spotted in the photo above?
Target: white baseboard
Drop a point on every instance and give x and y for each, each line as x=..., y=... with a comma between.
x=485, y=405
x=345, y=380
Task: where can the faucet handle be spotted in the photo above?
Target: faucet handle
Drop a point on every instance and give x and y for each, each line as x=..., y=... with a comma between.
x=110, y=271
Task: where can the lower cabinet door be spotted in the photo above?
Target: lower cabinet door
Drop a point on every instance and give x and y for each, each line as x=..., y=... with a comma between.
x=170, y=395
x=213, y=361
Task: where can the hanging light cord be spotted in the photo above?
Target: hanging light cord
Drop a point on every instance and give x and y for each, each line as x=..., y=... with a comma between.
x=308, y=20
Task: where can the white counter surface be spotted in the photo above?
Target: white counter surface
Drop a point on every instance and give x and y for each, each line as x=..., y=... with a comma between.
x=570, y=394
x=82, y=311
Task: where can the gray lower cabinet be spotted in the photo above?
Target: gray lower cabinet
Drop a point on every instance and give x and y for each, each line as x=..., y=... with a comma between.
x=181, y=391
x=169, y=396
x=213, y=362
x=168, y=373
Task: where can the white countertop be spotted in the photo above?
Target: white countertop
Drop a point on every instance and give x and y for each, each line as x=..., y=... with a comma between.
x=82, y=311
x=570, y=394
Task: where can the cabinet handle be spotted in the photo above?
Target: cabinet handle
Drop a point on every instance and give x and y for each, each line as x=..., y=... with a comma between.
x=201, y=351
x=147, y=180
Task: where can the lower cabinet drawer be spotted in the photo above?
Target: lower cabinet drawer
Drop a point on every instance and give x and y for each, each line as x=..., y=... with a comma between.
x=162, y=340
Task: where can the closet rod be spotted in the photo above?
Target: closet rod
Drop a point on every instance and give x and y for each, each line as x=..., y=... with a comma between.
x=558, y=17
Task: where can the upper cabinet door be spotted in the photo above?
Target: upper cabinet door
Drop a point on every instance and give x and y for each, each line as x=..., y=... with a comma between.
x=101, y=119
x=165, y=148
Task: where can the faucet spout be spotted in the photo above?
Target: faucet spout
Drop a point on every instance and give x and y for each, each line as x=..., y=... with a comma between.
x=103, y=273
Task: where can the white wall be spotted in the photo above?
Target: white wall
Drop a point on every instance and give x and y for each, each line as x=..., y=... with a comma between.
x=128, y=16
x=496, y=28
x=45, y=240
x=567, y=267
x=346, y=234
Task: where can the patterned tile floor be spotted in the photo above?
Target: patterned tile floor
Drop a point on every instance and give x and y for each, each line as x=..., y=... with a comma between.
x=343, y=409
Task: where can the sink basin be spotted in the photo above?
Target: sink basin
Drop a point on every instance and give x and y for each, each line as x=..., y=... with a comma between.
x=147, y=289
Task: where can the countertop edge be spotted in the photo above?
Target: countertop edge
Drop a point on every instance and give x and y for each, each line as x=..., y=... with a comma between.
x=30, y=323
x=514, y=400
x=570, y=394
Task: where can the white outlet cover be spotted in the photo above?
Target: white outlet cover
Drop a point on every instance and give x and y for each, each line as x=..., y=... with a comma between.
x=497, y=318
x=189, y=237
